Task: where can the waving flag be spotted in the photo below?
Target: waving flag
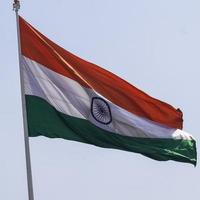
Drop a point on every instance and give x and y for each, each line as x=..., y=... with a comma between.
x=68, y=97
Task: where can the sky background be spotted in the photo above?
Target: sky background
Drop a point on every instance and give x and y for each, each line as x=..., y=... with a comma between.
x=155, y=45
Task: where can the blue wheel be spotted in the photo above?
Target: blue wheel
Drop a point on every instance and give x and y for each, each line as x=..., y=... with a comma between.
x=100, y=110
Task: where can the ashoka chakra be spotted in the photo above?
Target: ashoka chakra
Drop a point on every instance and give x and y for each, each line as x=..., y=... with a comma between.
x=101, y=111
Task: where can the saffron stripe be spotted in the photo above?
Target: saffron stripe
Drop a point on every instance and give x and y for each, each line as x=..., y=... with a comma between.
x=42, y=50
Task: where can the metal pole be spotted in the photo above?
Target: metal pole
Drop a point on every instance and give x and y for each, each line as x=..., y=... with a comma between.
x=16, y=7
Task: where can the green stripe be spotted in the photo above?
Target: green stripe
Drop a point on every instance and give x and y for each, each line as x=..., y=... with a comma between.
x=45, y=120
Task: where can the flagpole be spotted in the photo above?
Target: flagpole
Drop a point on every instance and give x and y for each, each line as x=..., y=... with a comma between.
x=16, y=7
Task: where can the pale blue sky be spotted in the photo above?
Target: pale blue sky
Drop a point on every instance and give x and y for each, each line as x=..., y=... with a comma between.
x=155, y=45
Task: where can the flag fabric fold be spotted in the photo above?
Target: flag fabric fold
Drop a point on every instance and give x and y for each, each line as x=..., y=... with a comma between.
x=70, y=98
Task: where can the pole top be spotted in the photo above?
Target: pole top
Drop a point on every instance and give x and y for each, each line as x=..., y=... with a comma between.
x=16, y=5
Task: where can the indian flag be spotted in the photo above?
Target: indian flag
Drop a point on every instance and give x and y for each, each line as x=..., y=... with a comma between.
x=70, y=98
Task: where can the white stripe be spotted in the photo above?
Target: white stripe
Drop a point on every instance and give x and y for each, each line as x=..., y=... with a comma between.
x=70, y=98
